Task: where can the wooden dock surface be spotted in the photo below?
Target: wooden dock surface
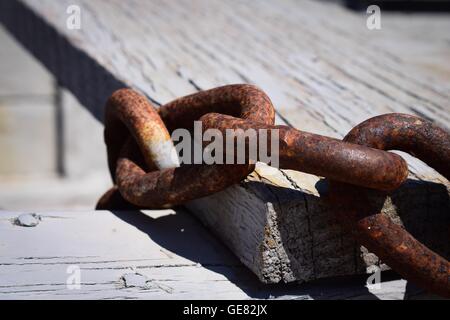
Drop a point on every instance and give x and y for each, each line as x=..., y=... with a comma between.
x=164, y=254
x=324, y=71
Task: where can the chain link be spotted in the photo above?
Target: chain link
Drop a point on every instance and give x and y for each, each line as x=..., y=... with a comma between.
x=146, y=171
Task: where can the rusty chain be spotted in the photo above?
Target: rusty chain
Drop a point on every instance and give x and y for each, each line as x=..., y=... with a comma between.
x=136, y=134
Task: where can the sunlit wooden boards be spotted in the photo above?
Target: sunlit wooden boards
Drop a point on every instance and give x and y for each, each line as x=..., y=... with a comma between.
x=160, y=254
x=323, y=69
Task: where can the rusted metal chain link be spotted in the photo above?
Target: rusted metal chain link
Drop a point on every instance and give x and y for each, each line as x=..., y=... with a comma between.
x=143, y=186
x=359, y=209
x=145, y=169
x=324, y=156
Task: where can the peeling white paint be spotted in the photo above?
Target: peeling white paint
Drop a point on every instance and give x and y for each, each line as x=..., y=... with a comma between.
x=134, y=280
x=27, y=220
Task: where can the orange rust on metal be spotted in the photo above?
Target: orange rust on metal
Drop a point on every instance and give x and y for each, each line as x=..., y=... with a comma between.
x=324, y=156
x=359, y=163
x=139, y=182
x=239, y=100
x=127, y=112
x=357, y=210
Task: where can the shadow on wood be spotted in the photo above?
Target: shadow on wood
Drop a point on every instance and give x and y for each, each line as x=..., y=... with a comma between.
x=166, y=231
x=285, y=235
x=170, y=233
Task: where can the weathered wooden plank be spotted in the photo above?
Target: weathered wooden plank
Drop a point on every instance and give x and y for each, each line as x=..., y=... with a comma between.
x=176, y=257
x=324, y=70
x=323, y=80
x=106, y=246
x=290, y=234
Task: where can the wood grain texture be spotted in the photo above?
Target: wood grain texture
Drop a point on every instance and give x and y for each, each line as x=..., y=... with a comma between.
x=105, y=246
x=175, y=255
x=323, y=69
x=286, y=234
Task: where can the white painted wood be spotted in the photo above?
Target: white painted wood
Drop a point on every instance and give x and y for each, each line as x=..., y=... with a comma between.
x=177, y=257
x=284, y=233
x=105, y=246
x=323, y=69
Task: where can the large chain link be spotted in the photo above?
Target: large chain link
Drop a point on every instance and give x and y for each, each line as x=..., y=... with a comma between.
x=137, y=135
